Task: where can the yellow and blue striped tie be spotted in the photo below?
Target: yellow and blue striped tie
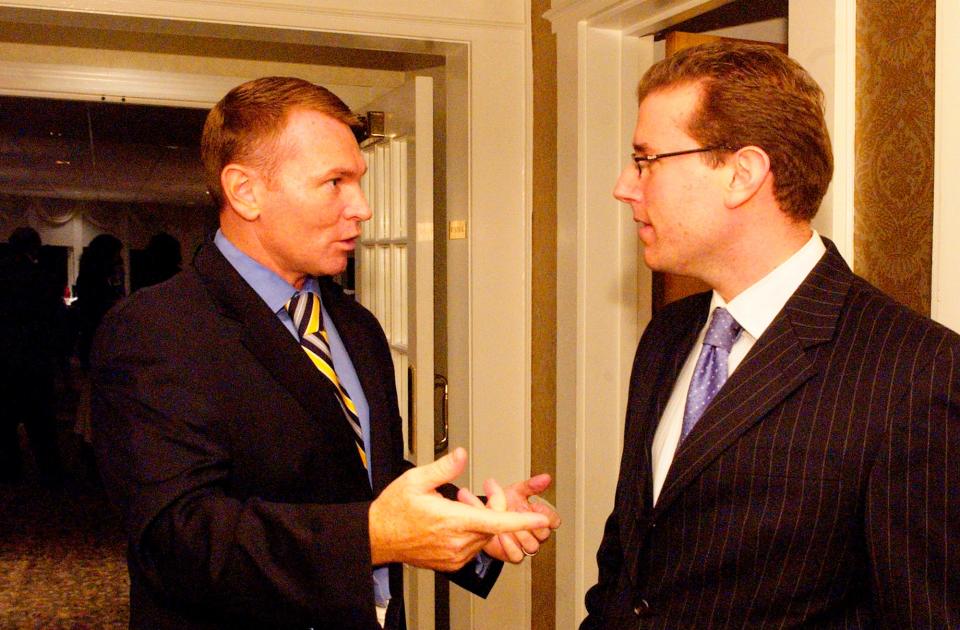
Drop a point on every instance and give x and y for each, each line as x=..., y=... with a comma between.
x=304, y=309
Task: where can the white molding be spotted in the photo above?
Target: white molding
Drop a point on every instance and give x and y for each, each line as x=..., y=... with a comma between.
x=844, y=127
x=455, y=13
x=117, y=84
x=945, y=282
x=822, y=38
x=135, y=86
x=635, y=18
x=597, y=302
x=576, y=10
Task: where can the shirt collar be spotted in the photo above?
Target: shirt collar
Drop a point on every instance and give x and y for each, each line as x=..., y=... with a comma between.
x=271, y=288
x=757, y=306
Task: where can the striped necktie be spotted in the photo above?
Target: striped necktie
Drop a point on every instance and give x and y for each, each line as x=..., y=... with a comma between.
x=304, y=309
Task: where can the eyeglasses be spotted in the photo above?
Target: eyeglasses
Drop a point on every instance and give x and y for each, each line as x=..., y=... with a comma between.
x=644, y=160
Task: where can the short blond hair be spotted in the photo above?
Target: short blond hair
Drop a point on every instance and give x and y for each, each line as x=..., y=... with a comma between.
x=246, y=124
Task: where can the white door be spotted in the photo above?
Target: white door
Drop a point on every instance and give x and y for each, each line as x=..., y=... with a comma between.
x=394, y=273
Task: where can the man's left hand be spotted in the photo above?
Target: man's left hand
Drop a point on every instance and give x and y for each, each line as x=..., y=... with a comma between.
x=515, y=498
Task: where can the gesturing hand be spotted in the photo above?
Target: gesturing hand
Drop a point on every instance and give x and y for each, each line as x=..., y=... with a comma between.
x=512, y=547
x=411, y=522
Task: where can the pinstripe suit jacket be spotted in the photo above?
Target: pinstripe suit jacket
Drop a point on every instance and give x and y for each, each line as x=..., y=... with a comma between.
x=819, y=488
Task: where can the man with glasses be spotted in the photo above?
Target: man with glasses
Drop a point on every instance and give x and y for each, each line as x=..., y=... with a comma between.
x=792, y=441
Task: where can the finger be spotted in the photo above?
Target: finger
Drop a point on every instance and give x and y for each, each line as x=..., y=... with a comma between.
x=468, y=498
x=491, y=522
x=528, y=541
x=547, y=511
x=496, y=498
x=511, y=548
x=443, y=470
x=533, y=485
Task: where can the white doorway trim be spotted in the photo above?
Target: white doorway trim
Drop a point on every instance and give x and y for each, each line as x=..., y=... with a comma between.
x=603, y=297
x=945, y=290
x=823, y=38
x=488, y=177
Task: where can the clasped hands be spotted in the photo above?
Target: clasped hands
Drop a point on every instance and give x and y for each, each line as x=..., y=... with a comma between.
x=411, y=522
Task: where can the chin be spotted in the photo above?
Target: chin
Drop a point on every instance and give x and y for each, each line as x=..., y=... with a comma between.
x=650, y=260
x=332, y=268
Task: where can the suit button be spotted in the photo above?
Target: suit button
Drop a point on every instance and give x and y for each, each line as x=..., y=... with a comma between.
x=642, y=608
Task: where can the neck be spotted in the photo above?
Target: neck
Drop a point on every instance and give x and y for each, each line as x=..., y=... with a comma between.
x=247, y=242
x=755, y=254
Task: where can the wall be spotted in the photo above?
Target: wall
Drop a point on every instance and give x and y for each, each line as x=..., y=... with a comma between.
x=893, y=225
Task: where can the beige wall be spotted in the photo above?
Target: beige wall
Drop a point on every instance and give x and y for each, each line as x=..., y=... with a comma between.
x=893, y=225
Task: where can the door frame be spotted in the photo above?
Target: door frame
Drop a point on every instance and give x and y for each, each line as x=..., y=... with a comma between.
x=945, y=293
x=488, y=69
x=603, y=297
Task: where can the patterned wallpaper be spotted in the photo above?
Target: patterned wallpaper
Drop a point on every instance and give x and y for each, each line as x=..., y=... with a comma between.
x=893, y=227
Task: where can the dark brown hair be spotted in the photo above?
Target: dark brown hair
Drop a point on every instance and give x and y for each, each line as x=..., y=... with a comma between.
x=752, y=94
x=246, y=124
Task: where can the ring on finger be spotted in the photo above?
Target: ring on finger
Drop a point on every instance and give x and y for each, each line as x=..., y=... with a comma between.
x=527, y=553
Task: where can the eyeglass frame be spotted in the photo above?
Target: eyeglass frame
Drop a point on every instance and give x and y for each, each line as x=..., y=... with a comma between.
x=647, y=159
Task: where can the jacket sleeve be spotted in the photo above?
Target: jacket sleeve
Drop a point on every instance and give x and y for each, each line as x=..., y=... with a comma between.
x=912, y=520
x=263, y=560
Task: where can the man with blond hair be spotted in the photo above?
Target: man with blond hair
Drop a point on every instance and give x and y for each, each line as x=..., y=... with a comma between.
x=246, y=414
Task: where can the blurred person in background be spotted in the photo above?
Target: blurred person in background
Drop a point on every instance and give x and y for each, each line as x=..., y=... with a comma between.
x=30, y=320
x=99, y=286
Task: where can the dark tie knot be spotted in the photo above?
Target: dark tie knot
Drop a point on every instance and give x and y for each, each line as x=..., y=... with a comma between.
x=295, y=302
x=723, y=330
x=304, y=310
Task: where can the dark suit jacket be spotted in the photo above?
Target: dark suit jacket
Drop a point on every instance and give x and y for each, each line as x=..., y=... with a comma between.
x=819, y=488
x=241, y=491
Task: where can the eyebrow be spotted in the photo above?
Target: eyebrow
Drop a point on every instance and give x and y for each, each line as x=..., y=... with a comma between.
x=340, y=172
x=641, y=148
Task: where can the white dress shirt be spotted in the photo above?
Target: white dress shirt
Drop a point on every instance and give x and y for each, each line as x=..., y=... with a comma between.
x=754, y=309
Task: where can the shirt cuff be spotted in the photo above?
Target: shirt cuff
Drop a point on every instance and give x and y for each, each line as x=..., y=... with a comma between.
x=481, y=564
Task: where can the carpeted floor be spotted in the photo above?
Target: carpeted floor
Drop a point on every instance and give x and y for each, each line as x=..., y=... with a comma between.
x=62, y=560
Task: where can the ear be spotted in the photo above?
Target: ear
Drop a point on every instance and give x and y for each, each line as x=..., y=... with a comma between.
x=751, y=166
x=239, y=188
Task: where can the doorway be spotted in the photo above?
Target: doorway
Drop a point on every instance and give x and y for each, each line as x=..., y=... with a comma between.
x=483, y=173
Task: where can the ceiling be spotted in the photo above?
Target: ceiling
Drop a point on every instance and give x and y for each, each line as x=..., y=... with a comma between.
x=101, y=151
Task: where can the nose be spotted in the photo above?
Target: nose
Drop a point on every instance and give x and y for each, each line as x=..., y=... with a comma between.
x=627, y=188
x=358, y=208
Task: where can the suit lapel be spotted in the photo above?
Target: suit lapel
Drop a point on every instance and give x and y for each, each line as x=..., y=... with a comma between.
x=272, y=345
x=675, y=360
x=676, y=348
x=779, y=363
x=656, y=368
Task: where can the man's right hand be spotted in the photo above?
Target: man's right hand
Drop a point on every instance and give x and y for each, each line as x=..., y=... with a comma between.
x=411, y=522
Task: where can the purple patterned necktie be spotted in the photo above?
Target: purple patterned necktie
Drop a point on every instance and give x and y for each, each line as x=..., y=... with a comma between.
x=711, y=371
